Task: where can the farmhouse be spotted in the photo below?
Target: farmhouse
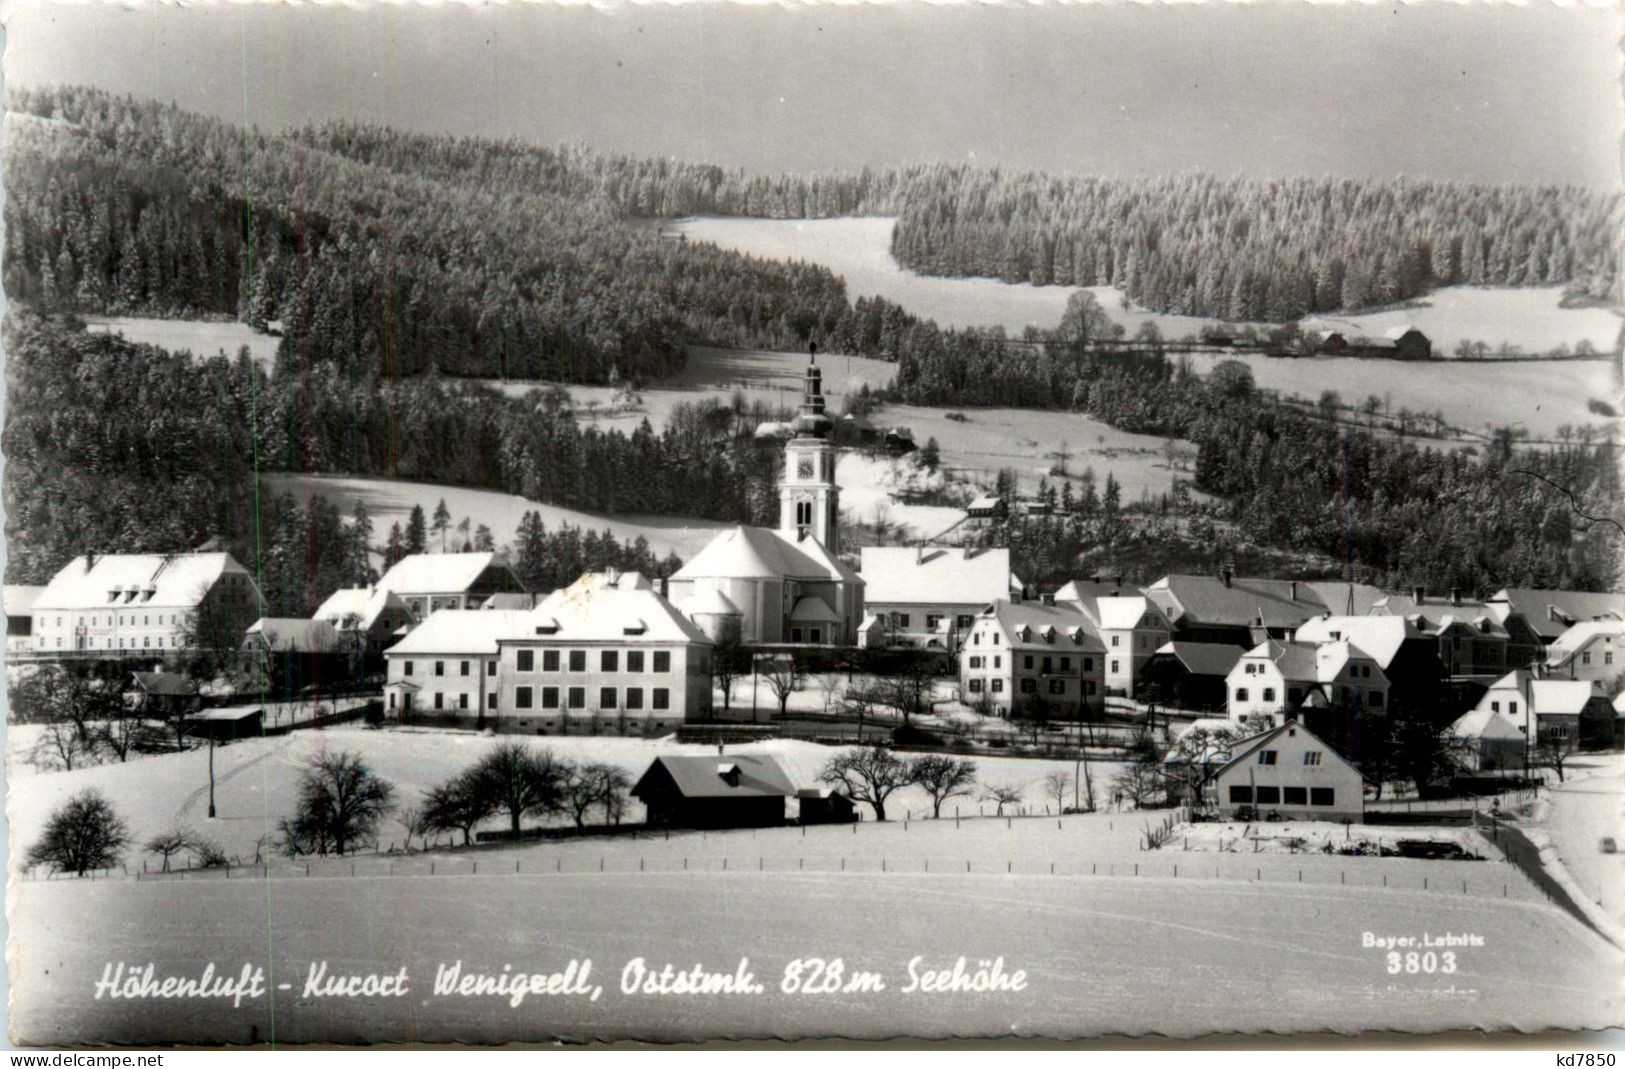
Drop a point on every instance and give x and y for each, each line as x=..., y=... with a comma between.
x=724, y=791
x=1558, y=708
x=162, y=695
x=606, y=655
x=1473, y=640
x=929, y=596
x=1190, y=675
x=1289, y=771
x=1281, y=679
x=1232, y=611
x=789, y=584
x=1593, y=649
x=1131, y=627
x=426, y=582
x=1034, y=660
x=1549, y=613
x=144, y=605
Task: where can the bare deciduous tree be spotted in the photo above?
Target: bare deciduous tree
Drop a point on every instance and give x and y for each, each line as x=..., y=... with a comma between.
x=341, y=802
x=783, y=674
x=84, y=834
x=1001, y=796
x=1056, y=786
x=870, y=775
x=943, y=777
x=169, y=843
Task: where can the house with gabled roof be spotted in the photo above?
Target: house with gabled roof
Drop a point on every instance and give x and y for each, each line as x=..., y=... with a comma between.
x=1190, y=675
x=1554, y=707
x=715, y=791
x=1485, y=740
x=1407, y=654
x=1234, y=611
x=1031, y=659
x=427, y=582
x=1472, y=640
x=1131, y=626
x=1591, y=649
x=369, y=617
x=1288, y=771
x=1280, y=680
x=144, y=605
x=928, y=596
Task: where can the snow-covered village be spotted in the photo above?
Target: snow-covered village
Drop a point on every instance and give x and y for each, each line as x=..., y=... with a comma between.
x=465, y=591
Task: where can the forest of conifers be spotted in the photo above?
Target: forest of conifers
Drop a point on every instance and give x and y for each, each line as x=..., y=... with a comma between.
x=396, y=264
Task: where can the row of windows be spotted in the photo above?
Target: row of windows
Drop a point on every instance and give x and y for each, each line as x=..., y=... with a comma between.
x=576, y=697
x=1269, y=757
x=1027, y=686
x=933, y=620
x=1607, y=657
x=608, y=660
x=124, y=620
x=464, y=668
x=1322, y=796
x=147, y=643
x=1139, y=641
x=1294, y=696
x=1048, y=664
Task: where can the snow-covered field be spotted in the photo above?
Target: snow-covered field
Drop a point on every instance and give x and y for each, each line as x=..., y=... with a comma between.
x=199, y=337
x=1101, y=954
x=1313, y=837
x=256, y=779
x=391, y=500
x=1532, y=319
x=1578, y=815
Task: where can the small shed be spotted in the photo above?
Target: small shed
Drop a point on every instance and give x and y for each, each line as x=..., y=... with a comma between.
x=162, y=695
x=722, y=791
x=825, y=805
x=226, y=723
x=1488, y=741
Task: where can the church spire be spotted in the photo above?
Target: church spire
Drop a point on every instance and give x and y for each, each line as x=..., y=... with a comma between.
x=813, y=421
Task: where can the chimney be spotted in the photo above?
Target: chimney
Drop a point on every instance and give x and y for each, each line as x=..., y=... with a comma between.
x=1047, y=599
x=1117, y=580
x=1292, y=590
x=1418, y=593
x=1455, y=595
x=1224, y=577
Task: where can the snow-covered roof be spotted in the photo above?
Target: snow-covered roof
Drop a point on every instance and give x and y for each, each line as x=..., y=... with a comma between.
x=435, y=573
x=1551, y=612
x=1206, y=599
x=1203, y=658
x=935, y=574
x=19, y=600
x=624, y=609
x=177, y=580
x=1336, y=596
x=1484, y=724
x=760, y=553
x=294, y=634
x=1032, y=625
x=813, y=610
x=722, y=776
x=1380, y=637
x=464, y=631
x=1122, y=613
x=1579, y=637
x=360, y=605
x=1560, y=697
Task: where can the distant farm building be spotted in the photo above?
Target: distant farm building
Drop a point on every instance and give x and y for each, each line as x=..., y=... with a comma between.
x=1288, y=771
x=732, y=791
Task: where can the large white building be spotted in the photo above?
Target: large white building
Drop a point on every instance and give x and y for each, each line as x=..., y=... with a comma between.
x=1132, y=627
x=1028, y=658
x=426, y=582
x=788, y=584
x=144, y=604
x=606, y=655
x=1278, y=679
x=1591, y=649
x=928, y=596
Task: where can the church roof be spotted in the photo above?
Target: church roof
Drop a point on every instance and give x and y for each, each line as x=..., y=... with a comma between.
x=813, y=610
x=759, y=553
x=709, y=602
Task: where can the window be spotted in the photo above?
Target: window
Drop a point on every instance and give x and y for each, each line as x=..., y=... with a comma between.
x=1374, y=699
x=634, y=660
x=634, y=697
x=795, y=634
x=1512, y=707
x=490, y=668
x=1608, y=657
x=522, y=697
x=491, y=700
x=1495, y=707
x=900, y=619
x=1241, y=694
x=463, y=668
x=1027, y=661
x=1088, y=664
x=1322, y=796
x=1046, y=666
x=1057, y=686
x=1295, y=795
x=662, y=662
x=578, y=697
x=462, y=701
x=1029, y=686
x=1269, y=796
x=975, y=662
x=661, y=698
x=1115, y=665
x=439, y=700
x=962, y=622
x=550, y=660
x=975, y=686
x=1585, y=658
x=803, y=513
x=525, y=660
x=578, y=660
x=1311, y=757
x=606, y=697
x=998, y=662
x=933, y=621
x=440, y=668
x=1269, y=694
x=817, y=636
x=997, y=686
x=408, y=670
x=1117, y=640
x=1089, y=686
x=609, y=661
x=550, y=697
x=1267, y=757
x=1066, y=664
x=1241, y=795
x=976, y=639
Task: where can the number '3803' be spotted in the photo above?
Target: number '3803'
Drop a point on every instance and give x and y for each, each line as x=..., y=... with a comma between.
x=1425, y=961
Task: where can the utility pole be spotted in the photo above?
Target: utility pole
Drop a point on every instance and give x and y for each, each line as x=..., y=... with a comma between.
x=211, y=775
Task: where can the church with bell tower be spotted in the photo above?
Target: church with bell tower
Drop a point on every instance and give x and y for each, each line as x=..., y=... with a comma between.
x=785, y=585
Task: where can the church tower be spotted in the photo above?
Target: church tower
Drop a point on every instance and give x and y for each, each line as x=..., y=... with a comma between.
x=809, y=500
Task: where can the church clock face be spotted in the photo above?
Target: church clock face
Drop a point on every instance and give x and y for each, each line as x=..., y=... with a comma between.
x=804, y=468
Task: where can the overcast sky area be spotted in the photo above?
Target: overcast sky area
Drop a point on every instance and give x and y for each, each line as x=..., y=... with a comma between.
x=1475, y=91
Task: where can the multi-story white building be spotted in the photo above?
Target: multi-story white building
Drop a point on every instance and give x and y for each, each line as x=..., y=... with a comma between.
x=427, y=582
x=1132, y=627
x=1275, y=679
x=606, y=655
x=1019, y=657
x=144, y=604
